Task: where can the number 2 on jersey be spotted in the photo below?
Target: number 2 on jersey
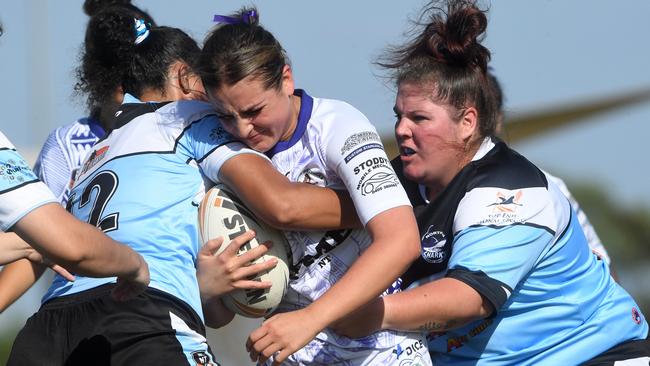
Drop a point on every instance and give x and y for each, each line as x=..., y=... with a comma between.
x=105, y=183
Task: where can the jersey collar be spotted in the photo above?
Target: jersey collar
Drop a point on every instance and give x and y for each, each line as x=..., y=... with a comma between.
x=306, y=106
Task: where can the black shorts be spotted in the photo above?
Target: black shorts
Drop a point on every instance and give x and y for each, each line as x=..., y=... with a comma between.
x=634, y=353
x=90, y=328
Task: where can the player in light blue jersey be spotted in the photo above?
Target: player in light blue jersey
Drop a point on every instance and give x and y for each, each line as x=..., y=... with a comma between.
x=63, y=152
x=28, y=209
x=506, y=275
x=142, y=184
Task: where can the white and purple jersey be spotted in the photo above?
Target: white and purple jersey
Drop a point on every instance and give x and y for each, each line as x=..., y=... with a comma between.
x=335, y=146
x=20, y=189
x=62, y=154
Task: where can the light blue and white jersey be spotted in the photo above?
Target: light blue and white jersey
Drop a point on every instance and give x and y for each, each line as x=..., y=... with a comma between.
x=20, y=189
x=508, y=232
x=142, y=184
x=63, y=152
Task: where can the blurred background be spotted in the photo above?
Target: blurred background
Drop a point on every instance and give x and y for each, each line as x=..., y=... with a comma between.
x=575, y=77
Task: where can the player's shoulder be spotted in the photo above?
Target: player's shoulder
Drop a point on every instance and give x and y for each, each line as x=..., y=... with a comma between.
x=186, y=112
x=337, y=111
x=503, y=167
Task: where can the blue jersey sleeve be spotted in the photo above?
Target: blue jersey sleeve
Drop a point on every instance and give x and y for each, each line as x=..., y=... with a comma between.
x=206, y=142
x=499, y=237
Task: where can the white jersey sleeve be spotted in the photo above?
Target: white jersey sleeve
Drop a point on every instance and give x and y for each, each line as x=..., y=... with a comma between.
x=354, y=150
x=20, y=189
x=53, y=167
x=212, y=146
x=590, y=233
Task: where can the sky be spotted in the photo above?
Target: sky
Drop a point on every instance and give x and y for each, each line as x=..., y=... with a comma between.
x=545, y=52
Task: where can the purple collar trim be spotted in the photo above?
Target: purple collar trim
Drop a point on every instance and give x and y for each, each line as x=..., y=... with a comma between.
x=306, y=106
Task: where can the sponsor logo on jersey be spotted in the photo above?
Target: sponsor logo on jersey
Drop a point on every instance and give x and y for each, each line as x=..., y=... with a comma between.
x=433, y=245
x=504, y=210
x=418, y=360
x=375, y=174
x=92, y=160
x=313, y=176
x=506, y=203
x=361, y=149
x=15, y=171
x=636, y=316
x=412, y=350
x=457, y=342
x=327, y=243
x=371, y=163
x=358, y=139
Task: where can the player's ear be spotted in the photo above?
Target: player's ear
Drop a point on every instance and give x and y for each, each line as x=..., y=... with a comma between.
x=288, y=85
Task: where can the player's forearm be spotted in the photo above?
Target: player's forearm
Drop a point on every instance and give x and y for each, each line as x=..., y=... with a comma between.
x=284, y=204
x=12, y=248
x=437, y=306
x=75, y=245
x=15, y=279
x=103, y=256
x=385, y=260
x=308, y=207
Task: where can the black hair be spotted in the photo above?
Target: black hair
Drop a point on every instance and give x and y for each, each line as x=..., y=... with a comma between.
x=241, y=48
x=447, y=54
x=92, y=7
x=112, y=59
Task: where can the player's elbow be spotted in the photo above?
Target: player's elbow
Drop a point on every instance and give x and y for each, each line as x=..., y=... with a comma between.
x=281, y=212
x=283, y=215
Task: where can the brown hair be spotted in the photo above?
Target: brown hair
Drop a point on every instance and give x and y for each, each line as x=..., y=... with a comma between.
x=446, y=52
x=241, y=48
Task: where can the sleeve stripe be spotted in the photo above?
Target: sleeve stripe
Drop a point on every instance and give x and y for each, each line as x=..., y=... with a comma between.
x=19, y=186
x=495, y=291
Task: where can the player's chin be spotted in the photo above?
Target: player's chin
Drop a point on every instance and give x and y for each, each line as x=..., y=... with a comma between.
x=260, y=144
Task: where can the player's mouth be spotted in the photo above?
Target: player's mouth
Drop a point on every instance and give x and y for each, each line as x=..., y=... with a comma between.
x=406, y=151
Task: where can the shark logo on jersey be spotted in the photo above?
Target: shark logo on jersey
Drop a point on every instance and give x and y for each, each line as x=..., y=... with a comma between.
x=219, y=134
x=433, y=244
x=506, y=203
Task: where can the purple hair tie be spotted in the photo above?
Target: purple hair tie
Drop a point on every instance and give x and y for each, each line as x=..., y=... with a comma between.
x=246, y=18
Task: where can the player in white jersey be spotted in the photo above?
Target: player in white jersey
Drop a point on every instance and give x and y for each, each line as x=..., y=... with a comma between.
x=142, y=184
x=29, y=209
x=326, y=143
x=62, y=153
x=506, y=276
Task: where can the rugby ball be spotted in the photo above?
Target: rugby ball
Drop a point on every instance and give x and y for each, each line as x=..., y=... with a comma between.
x=222, y=214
